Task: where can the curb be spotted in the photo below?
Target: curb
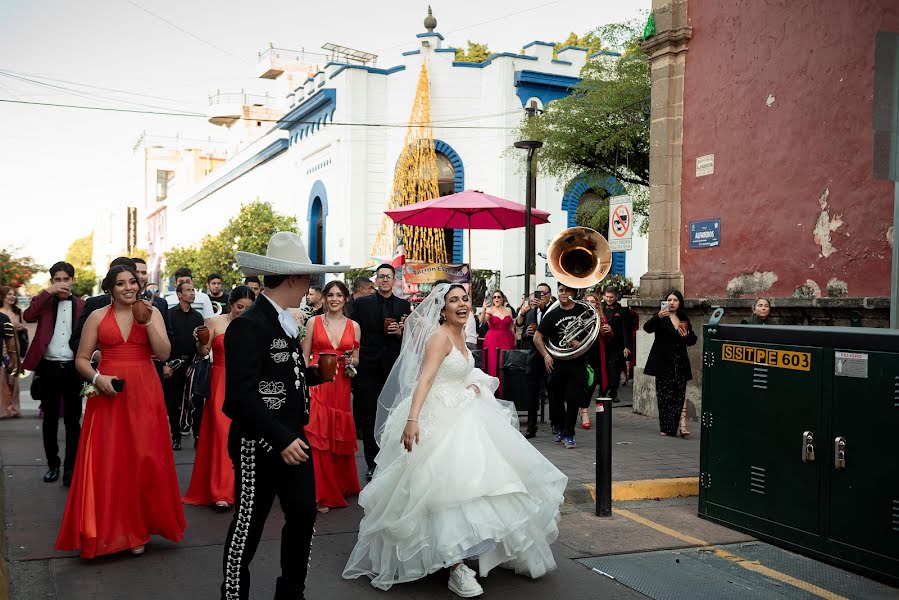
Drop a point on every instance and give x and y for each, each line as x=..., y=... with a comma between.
x=642, y=489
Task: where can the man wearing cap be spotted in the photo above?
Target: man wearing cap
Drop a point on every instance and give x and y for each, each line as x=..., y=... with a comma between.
x=267, y=399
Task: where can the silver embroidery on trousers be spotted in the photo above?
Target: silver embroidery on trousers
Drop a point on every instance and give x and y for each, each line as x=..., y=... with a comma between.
x=273, y=402
x=242, y=523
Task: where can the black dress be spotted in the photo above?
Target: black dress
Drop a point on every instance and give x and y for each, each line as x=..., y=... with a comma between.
x=669, y=364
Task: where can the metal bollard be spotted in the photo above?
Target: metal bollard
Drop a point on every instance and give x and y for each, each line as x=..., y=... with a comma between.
x=603, y=457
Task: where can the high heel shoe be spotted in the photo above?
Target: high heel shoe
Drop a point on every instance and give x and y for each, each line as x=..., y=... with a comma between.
x=683, y=423
x=585, y=418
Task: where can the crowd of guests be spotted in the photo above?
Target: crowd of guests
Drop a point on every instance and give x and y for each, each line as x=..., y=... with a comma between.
x=138, y=360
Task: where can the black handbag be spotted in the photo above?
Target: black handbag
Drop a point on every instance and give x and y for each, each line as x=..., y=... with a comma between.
x=200, y=374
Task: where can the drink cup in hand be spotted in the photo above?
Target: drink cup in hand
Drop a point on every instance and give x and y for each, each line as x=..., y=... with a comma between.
x=202, y=334
x=141, y=312
x=389, y=325
x=327, y=366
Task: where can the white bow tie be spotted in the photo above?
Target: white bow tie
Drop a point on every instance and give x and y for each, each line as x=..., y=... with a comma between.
x=288, y=324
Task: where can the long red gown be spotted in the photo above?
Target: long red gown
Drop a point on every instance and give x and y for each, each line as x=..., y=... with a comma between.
x=124, y=487
x=212, y=479
x=331, y=431
x=499, y=335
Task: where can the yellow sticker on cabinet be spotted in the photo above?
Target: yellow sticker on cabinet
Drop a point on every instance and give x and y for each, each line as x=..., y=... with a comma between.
x=780, y=359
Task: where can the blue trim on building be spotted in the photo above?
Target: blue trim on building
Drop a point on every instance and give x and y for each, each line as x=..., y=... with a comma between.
x=310, y=115
x=411, y=52
x=538, y=43
x=453, y=50
x=490, y=58
x=605, y=53
x=458, y=186
x=373, y=70
x=576, y=189
x=429, y=34
x=318, y=206
x=546, y=86
x=563, y=49
x=269, y=152
x=561, y=62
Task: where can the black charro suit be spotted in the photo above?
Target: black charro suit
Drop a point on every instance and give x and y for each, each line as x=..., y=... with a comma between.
x=377, y=354
x=267, y=399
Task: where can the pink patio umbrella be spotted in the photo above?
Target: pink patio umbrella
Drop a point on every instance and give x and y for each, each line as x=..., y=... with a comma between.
x=469, y=209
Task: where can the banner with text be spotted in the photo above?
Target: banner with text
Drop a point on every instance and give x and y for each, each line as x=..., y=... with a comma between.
x=419, y=278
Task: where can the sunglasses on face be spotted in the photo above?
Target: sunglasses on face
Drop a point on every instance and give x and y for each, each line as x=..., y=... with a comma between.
x=497, y=297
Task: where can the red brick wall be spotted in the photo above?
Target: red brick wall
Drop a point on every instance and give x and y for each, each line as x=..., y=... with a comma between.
x=813, y=61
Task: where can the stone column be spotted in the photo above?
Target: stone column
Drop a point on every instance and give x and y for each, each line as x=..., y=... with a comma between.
x=667, y=53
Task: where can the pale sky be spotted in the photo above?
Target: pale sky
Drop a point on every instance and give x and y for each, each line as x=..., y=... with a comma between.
x=59, y=166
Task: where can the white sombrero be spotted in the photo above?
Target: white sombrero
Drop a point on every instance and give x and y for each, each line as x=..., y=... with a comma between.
x=286, y=255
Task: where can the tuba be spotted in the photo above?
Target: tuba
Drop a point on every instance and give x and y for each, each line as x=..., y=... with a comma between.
x=578, y=257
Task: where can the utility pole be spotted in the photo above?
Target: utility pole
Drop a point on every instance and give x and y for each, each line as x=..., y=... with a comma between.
x=530, y=251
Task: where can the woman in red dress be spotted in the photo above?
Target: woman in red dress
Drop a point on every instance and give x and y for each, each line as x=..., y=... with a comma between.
x=212, y=479
x=500, y=332
x=124, y=486
x=331, y=431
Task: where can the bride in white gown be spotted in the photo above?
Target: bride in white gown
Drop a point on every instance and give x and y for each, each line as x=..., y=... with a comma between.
x=455, y=478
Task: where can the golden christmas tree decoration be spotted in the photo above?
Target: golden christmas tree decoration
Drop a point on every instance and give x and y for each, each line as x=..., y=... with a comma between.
x=415, y=180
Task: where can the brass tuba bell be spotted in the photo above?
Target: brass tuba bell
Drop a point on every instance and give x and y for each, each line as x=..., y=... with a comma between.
x=578, y=257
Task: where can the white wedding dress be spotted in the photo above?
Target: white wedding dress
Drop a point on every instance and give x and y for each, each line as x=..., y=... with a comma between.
x=473, y=486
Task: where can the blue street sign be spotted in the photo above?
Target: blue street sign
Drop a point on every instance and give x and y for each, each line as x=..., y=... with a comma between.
x=705, y=234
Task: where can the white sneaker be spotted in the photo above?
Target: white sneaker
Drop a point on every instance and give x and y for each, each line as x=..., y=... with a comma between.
x=462, y=582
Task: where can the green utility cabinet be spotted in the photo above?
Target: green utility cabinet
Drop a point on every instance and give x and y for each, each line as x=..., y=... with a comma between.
x=800, y=440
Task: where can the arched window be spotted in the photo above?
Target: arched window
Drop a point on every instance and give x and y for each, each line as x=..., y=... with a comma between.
x=316, y=224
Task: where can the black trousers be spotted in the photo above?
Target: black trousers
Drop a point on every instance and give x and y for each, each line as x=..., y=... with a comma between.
x=173, y=389
x=369, y=383
x=566, y=389
x=535, y=377
x=614, y=364
x=259, y=476
x=60, y=381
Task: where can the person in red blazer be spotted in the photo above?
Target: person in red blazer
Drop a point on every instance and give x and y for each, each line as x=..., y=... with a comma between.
x=56, y=310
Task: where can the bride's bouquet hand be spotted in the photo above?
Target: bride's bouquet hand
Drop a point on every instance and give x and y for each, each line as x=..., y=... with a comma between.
x=410, y=434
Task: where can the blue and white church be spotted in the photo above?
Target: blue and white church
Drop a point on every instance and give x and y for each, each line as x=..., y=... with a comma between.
x=329, y=159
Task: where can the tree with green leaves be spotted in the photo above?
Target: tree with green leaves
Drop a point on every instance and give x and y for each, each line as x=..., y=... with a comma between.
x=474, y=54
x=249, y=231
x=602, y=128
x=590, y=41
x=16, y=269
x=81, y=256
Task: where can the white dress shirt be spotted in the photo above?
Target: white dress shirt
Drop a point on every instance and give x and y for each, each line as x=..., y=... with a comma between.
x=202, y=304
x=58, y=349
x=285, y=318
x=471, y=330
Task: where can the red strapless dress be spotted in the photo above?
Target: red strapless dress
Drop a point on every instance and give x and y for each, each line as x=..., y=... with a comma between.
x=331, y=431
x=499, y=335
x=124, y=486
x=212, y=479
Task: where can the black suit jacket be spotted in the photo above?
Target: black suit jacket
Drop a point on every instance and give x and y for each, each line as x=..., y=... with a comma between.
x=97, y=302
x=266, y=381
x=377, y=350
x=535, y=361
x=668, y=347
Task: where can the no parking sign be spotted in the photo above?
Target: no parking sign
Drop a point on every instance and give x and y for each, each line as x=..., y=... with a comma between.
x=621, y=220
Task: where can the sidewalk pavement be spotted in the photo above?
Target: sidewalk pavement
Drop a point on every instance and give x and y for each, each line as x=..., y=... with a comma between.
x=31, y=512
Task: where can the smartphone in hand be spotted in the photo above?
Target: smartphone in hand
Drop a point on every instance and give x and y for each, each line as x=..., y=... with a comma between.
x=118, y=385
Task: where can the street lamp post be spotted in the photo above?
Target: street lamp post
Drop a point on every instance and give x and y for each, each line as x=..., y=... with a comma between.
x=531, y=192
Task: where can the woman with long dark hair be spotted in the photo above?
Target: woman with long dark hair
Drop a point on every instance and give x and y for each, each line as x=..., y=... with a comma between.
x=212, y=479
x=124, y=486
x=331, y=430
x=14, y=350
x=500, y=321
x=669, y=363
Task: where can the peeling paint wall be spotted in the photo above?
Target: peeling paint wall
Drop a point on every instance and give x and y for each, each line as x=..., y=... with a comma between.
x=780, y=92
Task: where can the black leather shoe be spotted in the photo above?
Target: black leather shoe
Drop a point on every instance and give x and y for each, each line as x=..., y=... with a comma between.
x=369, y=474
x=51, y=475
x=67, y=478
x=530, y=433
x=176, y=444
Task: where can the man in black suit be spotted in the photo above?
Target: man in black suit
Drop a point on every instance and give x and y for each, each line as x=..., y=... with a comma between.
x=620, y=344
x=381, y=318
x=530, y=315
x=96, y=302
x=267, y=398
